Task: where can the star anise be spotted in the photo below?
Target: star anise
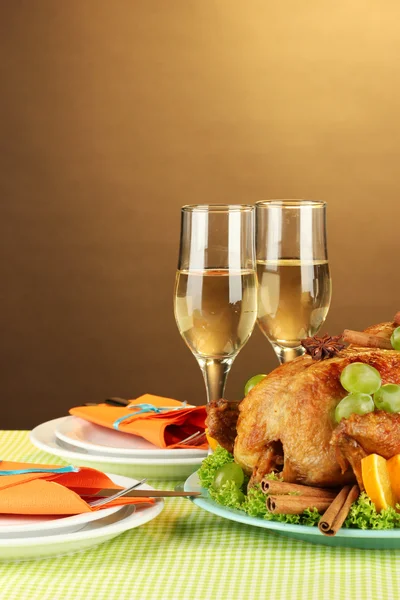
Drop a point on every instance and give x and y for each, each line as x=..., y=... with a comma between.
x=320, y=348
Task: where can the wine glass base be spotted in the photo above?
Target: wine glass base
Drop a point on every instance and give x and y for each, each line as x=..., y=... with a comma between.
x=287, y=354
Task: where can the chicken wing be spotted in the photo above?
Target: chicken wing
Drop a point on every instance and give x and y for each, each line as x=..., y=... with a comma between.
x=221, y=422
x=373, y=433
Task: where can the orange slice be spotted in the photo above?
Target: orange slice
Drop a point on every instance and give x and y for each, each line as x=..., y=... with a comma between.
x=211, y=442
x=376, y=481
x=393, y=466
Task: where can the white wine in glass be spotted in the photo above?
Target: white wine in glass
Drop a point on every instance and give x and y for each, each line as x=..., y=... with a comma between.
x=215, y=299
x=294, y=290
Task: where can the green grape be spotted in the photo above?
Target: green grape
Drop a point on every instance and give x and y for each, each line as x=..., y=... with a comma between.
x=253, y=382
x=395, y=339
x=388, y=398
x=228, y=472
x=354, y=403
x=360, y=378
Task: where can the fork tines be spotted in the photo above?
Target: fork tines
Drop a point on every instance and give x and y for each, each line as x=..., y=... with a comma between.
x=196, y=439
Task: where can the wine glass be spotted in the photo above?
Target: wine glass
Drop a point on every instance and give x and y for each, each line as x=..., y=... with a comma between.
x=294, y=283
x=215, y=299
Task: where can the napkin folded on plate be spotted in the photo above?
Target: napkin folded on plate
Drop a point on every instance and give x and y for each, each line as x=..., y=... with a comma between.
x=163, y=429
x=54, y=494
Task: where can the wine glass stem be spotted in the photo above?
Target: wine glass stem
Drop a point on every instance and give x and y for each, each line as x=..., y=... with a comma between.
x=286, y=354
x=215, y=372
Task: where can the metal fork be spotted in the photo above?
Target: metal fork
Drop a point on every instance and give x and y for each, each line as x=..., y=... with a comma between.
x=196, y=439
x=118, y=494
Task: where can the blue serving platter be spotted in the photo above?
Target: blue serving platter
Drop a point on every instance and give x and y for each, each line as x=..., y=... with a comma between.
x=351, y=538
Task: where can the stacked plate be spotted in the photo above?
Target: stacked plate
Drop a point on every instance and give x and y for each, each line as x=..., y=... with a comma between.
x=85, y=444
x=28, y=537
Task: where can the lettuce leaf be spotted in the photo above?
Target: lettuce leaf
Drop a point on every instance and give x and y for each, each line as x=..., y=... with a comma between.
x=362, y=514
x=228, y=495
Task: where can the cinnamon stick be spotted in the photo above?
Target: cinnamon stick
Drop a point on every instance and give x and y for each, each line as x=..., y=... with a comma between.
x=276, y=488
x=334, y=517
x=396, y=319
x=295, y=505
x=359, y=338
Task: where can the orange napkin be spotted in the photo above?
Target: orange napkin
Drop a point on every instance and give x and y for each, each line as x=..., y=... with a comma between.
x=53, y=494
x=164, y=430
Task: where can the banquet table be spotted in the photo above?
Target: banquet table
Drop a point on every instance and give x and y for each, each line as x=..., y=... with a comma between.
x=187, y=553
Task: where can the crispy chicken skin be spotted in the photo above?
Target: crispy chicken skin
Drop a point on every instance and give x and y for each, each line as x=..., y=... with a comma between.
x=287, y=420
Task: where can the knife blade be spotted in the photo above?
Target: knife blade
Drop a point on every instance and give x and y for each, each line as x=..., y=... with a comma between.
x=111, y=402
x=143, y=494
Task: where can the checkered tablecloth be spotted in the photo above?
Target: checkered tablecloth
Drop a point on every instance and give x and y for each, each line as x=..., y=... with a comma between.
x=189, y=554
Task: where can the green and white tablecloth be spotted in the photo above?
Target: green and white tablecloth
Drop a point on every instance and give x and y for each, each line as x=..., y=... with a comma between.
x=187, y=553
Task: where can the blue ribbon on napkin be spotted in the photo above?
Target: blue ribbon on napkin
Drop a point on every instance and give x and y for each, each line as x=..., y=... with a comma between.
x=69, y=469
x=145, y=408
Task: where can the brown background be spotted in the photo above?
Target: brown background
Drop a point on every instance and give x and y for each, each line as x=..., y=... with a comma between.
x=114, y=114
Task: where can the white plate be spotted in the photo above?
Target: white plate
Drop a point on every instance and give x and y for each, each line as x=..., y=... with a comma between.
x=107, y=442
x=43, y=437
x=26, y=525
x=92, y=534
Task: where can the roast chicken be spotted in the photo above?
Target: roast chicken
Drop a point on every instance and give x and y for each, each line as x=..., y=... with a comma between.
x=286, y=423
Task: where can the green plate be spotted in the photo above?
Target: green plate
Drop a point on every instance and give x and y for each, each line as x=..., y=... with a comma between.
x=351, y=538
